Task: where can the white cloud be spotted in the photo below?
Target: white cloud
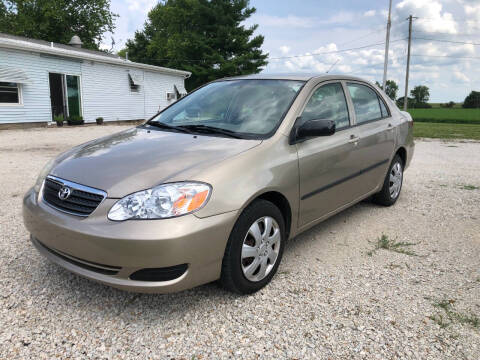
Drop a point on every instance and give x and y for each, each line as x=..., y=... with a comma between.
x=369, y=13
x=431, y=17
x=143, y=6
x=472, y=14
x=285, y=21
x=461, y=76
x=284, y=49
x=305, y=22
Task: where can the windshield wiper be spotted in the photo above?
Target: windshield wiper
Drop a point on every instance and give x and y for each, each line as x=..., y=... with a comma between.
x=162, y=125
x=212, y=130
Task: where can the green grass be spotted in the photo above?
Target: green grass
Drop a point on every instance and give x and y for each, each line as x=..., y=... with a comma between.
x=446, y=131
x=385, y=243
x=469, y=187
x=452, y=316
x=446, y=115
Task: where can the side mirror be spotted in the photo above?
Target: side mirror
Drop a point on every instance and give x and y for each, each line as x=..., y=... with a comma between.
x=312, y=128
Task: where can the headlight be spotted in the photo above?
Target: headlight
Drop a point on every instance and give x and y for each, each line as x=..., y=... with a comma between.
x=163, y=201
x=43, y=174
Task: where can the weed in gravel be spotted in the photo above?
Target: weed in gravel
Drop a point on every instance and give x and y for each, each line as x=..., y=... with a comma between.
x=393, y=266
x=385, y=243
x=469, y=187
x=452, y=316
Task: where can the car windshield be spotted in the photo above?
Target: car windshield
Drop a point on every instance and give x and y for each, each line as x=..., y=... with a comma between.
x=248, y=108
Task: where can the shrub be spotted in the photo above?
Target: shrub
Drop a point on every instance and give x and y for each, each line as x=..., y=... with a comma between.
x=422, y=105
x=59, y=119
x=75, y=120
x=99, y=120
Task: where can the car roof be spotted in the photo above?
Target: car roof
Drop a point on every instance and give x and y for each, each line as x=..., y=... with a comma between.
x=295, y=76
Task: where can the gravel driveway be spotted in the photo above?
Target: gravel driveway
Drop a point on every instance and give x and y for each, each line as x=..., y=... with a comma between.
x=335, y=297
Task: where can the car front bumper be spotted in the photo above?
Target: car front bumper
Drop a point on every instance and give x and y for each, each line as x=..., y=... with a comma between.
x=110, y=252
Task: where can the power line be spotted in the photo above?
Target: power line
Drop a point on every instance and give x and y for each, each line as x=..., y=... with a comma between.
x=449, y=56
x=377, y=32
x=335, y=51
x=444, y=33
x=447, y=41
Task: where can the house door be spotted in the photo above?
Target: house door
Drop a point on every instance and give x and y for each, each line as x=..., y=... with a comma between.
x=73, y=95
x=59, y=107
x=65, y=95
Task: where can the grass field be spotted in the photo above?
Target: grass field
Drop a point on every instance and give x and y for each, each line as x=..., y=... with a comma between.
x=446, y=131
x=445, y=115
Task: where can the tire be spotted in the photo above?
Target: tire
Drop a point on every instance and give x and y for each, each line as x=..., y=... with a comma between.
x=238, y=273
x=391, y=192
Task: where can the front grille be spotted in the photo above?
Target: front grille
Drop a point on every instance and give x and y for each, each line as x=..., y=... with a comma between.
x=82, y=200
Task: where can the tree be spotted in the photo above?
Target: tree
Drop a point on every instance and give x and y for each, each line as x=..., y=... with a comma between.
x=410, y=102
x=58, y=20
x=205, y=37
x=450, y=104
x=472, y=100
x=391, y=88
x=421, y=94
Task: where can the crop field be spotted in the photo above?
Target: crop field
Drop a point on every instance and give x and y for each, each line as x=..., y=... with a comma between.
x=446, y=123
x=446, y=115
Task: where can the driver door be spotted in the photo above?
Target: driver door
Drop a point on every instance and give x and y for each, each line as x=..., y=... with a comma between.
x=327, y=164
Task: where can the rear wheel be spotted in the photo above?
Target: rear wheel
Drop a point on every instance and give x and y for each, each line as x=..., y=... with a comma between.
x=392, y=184
x=254, y=249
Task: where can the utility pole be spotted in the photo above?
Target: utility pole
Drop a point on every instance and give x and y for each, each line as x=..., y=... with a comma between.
x=405, y=99
x=387, y=43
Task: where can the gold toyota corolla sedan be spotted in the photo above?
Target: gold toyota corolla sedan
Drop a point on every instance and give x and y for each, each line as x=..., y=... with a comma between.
x=212, y=187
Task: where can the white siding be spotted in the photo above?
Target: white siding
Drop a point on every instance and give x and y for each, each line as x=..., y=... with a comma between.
x=156, y=87
x=36, y=95
x=106, y=93
x=105, y=89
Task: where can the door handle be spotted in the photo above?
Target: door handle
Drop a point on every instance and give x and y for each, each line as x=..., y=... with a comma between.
x=353, y=139
x=390, y=127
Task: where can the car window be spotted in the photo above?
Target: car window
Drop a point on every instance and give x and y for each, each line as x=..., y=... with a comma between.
x=383, y=108
x=327, y=103
x=365, y=103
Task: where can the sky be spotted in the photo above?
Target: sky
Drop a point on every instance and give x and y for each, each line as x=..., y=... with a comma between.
x=348, y=36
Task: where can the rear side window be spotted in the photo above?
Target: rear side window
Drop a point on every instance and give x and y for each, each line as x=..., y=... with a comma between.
x=383, y=108
x=327, y=103
x=365, y=102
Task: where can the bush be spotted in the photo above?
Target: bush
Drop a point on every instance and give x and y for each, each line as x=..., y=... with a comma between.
x=450, y=104
x=422, y=105
x=75, y=120
x=99, y=120
x=59, y=119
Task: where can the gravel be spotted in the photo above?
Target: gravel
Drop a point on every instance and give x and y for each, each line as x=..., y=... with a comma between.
x=332, y=297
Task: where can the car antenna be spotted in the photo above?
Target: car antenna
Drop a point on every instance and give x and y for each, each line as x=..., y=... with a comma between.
x=331, y=67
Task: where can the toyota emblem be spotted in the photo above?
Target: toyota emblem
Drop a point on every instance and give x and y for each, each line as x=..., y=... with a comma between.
x=64, y=193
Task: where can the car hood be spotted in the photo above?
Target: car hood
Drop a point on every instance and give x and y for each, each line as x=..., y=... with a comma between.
x=137, y=159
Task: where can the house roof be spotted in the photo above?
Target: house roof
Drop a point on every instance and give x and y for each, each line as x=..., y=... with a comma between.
x=51, y=48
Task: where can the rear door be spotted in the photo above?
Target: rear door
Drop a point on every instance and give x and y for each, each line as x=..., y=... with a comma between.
x=327, y=164
x=376, y=132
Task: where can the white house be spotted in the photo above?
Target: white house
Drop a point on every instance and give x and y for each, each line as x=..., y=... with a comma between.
x=40, y=80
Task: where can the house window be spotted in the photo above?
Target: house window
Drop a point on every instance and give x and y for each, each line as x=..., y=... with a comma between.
x=9, y=93
x=134, y=83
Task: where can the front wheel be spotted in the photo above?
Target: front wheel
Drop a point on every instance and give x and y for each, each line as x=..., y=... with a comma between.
x=392, y=184
x=254, y=249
